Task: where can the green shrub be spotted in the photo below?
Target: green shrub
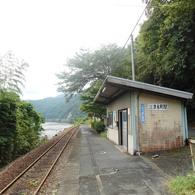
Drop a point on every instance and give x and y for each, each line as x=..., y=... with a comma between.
x=79, y=121
x=183, y=184
x=103, y=134
x=98, y=126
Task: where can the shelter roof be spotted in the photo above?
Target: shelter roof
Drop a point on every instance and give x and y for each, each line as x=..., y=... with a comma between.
x=115, y=86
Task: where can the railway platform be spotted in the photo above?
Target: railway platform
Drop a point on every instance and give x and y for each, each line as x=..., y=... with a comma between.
x=97, y=167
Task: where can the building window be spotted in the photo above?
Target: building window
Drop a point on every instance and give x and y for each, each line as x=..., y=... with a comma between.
x=114, y=120
x=110, y=119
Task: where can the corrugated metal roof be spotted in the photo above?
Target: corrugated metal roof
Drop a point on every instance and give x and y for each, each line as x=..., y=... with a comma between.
x=115, y=86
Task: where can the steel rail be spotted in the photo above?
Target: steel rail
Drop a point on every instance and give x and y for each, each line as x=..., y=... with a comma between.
x=35, y=161
x=52, y=166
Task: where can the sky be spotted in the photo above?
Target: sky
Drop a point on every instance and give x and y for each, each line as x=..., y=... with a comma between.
x=45, y=33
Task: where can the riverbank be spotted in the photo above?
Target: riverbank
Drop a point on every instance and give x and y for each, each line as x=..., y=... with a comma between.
x=53, y=128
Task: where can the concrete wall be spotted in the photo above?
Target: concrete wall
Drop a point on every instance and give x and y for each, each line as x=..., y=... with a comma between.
x=119, y=104
x=130, y=144
x=124, y=102
x=158, y=129
x=112, y=134
x=150, y=129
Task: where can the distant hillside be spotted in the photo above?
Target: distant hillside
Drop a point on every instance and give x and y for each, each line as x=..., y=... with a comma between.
x=57, y=109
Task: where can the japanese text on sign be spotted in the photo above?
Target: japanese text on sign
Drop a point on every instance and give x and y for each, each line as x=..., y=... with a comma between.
x=157, y=106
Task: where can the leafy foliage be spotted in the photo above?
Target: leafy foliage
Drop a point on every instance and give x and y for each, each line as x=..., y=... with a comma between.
x=20, y=127
x=79, y=121
x=89, y=66
x=98, y=126
x=88, y=104
x=164, y=49
x=88, y=69
x=28, y=127
x=165, y=46
x=7, y=126
x=12, y=73
x=164, y=55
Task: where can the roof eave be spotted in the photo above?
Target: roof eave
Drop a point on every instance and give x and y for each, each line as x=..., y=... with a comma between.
x=149, y=87
x=137, y=86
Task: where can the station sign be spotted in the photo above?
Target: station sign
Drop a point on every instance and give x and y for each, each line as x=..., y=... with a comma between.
x=161, y=106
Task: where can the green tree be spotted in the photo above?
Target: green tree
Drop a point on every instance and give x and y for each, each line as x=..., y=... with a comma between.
x=86, y=67
x=12, y=73
x=20, y=127
x=28, y=127
x=7, y=126
x=165, y=45
x=87, y=70
x=164, y=49
x=147, y=56
x=88, y=106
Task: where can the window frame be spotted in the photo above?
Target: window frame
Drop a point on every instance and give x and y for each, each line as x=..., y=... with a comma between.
x=110, y=120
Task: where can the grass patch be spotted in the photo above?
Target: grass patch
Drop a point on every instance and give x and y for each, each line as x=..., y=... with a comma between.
x=54, y=192
x=183, y=185
x=103, y=134
x=34, y=183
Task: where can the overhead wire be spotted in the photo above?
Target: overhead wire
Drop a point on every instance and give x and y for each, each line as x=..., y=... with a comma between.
x=132, y=31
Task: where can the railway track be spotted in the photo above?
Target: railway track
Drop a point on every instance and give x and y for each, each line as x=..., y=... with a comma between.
x=31, y=178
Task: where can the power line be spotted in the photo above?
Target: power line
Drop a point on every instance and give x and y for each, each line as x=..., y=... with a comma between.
x=136, y=24
x=131, y=34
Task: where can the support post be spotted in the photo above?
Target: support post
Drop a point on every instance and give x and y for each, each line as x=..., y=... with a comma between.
x=132, y=59
x=192, y=149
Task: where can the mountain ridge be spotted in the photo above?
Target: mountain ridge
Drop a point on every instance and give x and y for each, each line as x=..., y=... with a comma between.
x=58, y=109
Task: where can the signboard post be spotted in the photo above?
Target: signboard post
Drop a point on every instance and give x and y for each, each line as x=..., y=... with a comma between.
x=192, y=149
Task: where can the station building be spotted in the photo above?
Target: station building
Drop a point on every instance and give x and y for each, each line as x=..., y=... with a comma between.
x=143, y=117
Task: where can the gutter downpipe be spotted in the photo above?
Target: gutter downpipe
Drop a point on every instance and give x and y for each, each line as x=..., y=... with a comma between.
x=133, y=122
x=138, y=131
x=184, y=122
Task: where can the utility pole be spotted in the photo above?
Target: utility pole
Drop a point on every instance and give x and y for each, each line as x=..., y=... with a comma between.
x=132, y=59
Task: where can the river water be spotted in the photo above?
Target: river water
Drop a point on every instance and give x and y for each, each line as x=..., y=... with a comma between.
x=53, y=128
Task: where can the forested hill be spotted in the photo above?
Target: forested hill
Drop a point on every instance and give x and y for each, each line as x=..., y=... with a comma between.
x=58, y=109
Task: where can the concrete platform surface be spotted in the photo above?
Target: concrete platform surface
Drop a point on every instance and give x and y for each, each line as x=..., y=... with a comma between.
x=97, y=167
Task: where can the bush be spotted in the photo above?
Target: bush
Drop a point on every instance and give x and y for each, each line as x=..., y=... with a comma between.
x=183, y=184
x=98, y=126
x=79, y=121
x=20, y=127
